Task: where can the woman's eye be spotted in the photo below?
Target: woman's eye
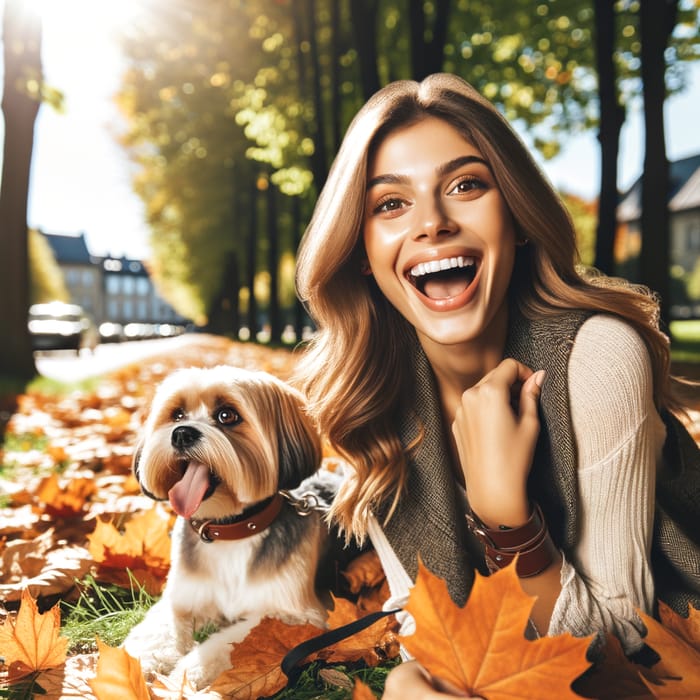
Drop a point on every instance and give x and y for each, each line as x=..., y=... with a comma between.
x=177, y=415
x=227, y=416
x=468, y=184
x=388, y=205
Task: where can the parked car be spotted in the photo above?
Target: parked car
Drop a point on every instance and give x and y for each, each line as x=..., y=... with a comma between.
x=59, y=326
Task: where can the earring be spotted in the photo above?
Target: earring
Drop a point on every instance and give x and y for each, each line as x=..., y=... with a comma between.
x=522, y=242
x=365, y=269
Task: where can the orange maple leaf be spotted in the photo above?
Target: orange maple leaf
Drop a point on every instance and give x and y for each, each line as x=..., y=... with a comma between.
x=64, y=500
x=374, y=644
x=687, y=628
x=256, y=660
x=31, y=642
x=675, y=642
x=118, y=676
x=481, y=648
x=143, y=549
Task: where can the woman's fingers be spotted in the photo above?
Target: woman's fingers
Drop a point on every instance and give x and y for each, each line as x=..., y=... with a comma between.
x=410, y=681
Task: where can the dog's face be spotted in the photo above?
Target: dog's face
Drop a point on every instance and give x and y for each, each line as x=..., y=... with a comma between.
x=217, y=440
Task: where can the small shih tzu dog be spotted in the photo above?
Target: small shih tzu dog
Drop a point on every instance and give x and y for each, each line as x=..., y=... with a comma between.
x=226, y=446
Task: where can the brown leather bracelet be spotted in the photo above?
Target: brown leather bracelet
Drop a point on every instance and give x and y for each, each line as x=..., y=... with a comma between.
x=530, y=542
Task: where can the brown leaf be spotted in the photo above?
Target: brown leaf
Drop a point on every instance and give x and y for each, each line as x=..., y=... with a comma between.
x=365, y=571
x=143, y=549
x=31, y=642
x=680, y=662
x=256, y=660
x=375, y=644
x=118, y=676
x=481, y=648
x=613, y=677
x=336, y=678
x=68, y=682
x=59, y=570
x=66, y=499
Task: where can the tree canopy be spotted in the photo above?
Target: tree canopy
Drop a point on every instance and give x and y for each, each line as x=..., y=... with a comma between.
x=226, y=100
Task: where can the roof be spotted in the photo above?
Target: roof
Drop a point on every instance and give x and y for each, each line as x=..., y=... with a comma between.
x=69, y=249
x=684, y=190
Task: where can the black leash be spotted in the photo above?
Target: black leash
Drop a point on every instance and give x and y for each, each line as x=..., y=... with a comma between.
x=292, y=659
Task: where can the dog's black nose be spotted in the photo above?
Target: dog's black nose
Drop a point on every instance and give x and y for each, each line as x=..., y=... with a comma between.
x=184, y=436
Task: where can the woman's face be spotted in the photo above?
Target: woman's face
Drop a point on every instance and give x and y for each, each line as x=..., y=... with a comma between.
x=438, y=235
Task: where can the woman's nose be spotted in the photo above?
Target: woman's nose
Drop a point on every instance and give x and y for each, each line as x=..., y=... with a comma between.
x=433, y=221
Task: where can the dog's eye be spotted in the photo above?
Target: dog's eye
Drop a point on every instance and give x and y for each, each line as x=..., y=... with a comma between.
x=177, y=414
x=227, y=416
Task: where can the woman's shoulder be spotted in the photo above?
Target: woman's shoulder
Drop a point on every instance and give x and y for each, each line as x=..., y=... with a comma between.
x=610, y=367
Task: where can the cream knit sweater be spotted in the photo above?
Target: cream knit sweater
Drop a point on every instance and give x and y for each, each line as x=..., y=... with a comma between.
x=619, y=437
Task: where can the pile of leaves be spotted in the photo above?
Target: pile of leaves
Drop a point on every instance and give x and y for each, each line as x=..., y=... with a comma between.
x=74, y=530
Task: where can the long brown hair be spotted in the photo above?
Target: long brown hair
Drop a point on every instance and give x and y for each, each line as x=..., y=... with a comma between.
x=355, y=367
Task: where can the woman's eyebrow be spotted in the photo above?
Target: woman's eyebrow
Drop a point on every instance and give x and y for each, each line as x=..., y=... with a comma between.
x=458, y=162
x=387, y=180
x=441, y=170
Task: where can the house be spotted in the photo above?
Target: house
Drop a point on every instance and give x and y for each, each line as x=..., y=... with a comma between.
x=110, y=289
x=131, y=297
x=81, y=272
x=684, y=212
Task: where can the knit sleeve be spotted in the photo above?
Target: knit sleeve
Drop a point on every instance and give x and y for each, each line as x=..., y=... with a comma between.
x=619, y=436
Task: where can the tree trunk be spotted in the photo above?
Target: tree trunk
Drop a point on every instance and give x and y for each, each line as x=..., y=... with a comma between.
x=252, y=262
x=416, y=24
x=273, y=264
x=657, y=18
x=427, y=55
x=223, y=318
x=336, y=99
x=612, y=116
x=20, y=111
x=364, y=28
x=309, y=87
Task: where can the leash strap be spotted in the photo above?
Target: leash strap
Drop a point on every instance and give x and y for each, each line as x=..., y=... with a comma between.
x=296, y=655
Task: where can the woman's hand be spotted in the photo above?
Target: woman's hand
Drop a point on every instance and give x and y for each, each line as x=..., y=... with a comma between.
x=495, y=430
x=410, y=681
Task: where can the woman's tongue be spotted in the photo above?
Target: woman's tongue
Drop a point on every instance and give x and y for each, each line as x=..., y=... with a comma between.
x=445, y=286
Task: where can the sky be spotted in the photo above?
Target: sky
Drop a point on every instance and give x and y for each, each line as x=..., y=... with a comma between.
x=81, y=176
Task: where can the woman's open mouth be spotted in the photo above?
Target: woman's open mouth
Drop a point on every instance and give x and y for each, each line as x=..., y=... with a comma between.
x=444, y=279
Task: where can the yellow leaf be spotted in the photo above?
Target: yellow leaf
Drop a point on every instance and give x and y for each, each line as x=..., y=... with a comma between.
x=118, y=676
x=32, y=642
x=481, y=648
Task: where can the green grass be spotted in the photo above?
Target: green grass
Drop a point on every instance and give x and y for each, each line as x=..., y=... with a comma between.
x=53, y=387
x=103, y=611
x=319, y=681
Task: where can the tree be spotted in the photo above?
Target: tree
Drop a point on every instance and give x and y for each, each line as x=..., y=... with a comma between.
x=657, y=19
x=20, y=105
x=612, y=117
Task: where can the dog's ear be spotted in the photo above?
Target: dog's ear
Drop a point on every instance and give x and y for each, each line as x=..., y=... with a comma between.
x=299, y=444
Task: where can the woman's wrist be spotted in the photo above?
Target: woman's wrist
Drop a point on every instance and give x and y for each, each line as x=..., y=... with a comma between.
x=530, y=542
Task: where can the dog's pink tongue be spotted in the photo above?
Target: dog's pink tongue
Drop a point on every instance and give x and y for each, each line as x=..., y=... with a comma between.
x=188, y=493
